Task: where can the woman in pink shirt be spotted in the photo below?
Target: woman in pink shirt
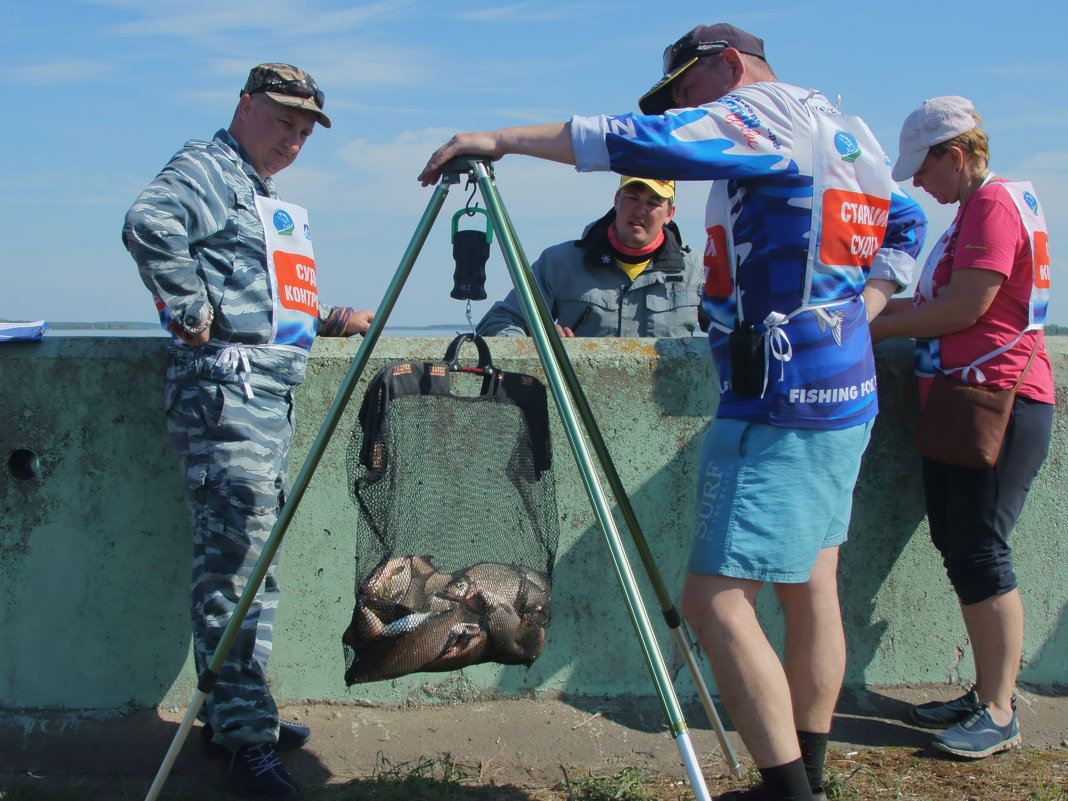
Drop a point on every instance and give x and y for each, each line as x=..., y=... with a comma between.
x=977, y=316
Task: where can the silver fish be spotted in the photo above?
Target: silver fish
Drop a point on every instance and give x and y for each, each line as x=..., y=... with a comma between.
x=402, y=586
x=437, y=641
x=512, y=601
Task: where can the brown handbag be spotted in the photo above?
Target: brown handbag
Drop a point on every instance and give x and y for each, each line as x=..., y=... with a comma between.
x=964, y=424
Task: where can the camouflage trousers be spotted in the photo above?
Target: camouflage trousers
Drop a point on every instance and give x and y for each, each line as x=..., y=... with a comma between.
x=234, y=451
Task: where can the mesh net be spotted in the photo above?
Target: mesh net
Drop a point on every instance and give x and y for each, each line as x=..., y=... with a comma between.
x=459, y=522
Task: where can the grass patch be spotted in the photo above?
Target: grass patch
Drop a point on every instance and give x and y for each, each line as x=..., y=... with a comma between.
x=631, y=784
x=890, y=774
x=908, y=774
x=430, y=778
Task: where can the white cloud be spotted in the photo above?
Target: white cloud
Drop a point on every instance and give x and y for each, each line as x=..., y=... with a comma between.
x=531, y=12
x=308, y=183
x=342, y=64
x=407, y=149
x=197, y=18
x=1016, y=70
x=340, y=47
x=530, y=115
x=59, y=72
x=1040, y=163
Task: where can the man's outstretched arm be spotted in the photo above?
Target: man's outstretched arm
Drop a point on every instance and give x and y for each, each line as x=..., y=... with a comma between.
x=551, y=142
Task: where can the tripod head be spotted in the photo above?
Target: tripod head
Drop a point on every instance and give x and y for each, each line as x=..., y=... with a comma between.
x=459, y=166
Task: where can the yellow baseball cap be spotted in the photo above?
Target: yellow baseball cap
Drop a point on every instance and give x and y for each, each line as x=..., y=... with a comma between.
x=665, y=189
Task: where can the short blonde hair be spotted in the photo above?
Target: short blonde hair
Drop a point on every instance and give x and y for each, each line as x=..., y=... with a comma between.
x=975, y=143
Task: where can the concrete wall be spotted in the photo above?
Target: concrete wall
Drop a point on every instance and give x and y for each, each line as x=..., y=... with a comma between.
x=94, y=548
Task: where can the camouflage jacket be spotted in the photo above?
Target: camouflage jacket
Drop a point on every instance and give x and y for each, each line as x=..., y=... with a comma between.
x=198, y=241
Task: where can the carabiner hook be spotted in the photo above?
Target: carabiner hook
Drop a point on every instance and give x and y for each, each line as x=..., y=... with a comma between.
x=467, y=206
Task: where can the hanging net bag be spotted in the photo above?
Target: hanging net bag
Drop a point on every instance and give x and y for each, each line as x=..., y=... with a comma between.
x=459, y=526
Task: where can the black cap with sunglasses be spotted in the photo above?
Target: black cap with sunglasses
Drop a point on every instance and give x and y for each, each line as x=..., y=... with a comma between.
x=704, y=40
x=288, y=85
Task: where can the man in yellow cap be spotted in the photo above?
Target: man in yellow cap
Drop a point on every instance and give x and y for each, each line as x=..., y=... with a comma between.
x=628, y=276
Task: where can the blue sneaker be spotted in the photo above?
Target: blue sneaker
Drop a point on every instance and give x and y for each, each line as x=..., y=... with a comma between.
x=978, y=736
x=258, y=774
x=940, y=714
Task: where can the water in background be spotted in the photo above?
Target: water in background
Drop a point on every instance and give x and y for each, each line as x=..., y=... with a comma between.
x=388, y=331
x=104, y=332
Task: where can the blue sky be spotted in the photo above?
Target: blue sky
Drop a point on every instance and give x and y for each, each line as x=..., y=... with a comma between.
x=100, y=93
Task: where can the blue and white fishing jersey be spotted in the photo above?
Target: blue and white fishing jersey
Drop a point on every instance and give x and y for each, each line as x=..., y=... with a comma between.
x=801, y=213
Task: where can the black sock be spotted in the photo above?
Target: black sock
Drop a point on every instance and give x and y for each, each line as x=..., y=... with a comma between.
x=813, y=754
x=787, y=782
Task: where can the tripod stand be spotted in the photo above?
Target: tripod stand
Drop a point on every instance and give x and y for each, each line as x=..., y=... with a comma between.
x=573, y=406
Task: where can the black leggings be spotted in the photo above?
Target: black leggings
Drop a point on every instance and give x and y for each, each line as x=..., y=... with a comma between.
x=971, y=512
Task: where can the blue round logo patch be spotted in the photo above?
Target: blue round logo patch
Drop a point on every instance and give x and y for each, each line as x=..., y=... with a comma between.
x=846, y=145
x=1031, y=201
x=283, y=223
x=844, y=142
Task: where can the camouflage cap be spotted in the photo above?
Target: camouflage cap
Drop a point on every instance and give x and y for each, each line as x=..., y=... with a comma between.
x=288, y=85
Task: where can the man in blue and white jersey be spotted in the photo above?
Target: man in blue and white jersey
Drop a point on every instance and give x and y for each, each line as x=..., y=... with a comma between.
x=808, y=237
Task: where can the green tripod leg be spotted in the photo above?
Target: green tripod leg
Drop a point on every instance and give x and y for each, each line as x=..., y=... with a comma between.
x=667, y=606
x=520, y=273
x=207, y=679
x=545, y=338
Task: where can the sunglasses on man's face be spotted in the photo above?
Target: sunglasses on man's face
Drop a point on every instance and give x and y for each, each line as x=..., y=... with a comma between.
x=680, y=53
x=294, y=89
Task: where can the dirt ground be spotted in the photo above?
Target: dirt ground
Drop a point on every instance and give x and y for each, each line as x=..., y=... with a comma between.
x=523, y=742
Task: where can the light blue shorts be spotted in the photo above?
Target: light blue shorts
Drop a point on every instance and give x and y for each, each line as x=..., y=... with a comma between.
x=769, y=498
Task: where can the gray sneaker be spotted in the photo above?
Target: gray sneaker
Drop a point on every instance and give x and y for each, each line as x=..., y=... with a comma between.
x=941, y=714
x=978, y=736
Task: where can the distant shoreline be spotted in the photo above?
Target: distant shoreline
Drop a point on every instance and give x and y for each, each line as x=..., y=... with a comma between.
x=1051, y=328
x=134, y=326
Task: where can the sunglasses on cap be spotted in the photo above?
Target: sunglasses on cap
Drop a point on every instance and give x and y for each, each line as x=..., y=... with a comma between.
x=683, y=51
x=295, y=88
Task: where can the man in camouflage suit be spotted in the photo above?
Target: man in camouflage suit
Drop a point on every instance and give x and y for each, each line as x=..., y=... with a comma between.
x=233, y=275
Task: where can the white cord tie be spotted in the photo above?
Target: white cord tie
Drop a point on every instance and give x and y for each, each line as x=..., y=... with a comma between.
x=974, y=370
x=777, y=344
x=233, y=359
